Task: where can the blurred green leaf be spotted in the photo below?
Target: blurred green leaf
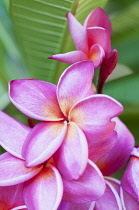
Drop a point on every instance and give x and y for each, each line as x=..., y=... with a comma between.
x=119, y=71
x=126, y=35
x=11, y=63
x=124, y=89
x=41, y=27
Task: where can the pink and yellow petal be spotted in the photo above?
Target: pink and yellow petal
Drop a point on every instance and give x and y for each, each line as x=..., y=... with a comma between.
x=43, y=141
x=36, y=99
x=12, y=197
x=13, y=170
x=100, y=36
x=45, y=190
x=71, y=158
x=96, y=54
x=93, y=115
x=13, y=134
x=75, y=84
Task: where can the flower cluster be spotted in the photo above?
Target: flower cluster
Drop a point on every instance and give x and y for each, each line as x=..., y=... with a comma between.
x=64, y=160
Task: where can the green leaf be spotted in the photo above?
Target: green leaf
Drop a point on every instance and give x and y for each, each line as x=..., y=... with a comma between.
x=119, y=71
x=41, y=27
x=11, y=64
x=126, y=35
x=124, y=89
x=85, y=7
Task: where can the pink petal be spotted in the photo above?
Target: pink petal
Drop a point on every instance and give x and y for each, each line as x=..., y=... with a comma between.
x=43, y=141
x=93, y=115
x=76, y=206
x=78, y=33
x=100, y=36
x=114, y=182
x=128, y=202
x=96, y=55
x=11, y=197
x=114, y=161
x=13, y=170
x=107, y=68
x=13, y=134
x=71, y=158
x=35, y=98
x=109, y=200
x=98, y=149
x=75, y=84
x=98, y=18
x=130, y=179
x=45, y=190
x=89, y=187
x=70, y=57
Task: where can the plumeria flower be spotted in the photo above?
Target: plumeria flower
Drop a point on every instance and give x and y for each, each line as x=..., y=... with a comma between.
x=11, y=197
x=42, y=184
x=114, y=161
x=92, y=40
x=43, y=180
x=71, y=115
x=109, y=200
x=130, y=179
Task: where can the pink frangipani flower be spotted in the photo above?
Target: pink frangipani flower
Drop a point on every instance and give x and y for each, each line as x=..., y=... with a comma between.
x=13, y=171
x=92, y=40
x=71, y=116
x=130, y=179
x=43, y=180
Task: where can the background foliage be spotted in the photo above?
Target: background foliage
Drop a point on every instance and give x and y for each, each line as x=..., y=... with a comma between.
x=36, y=29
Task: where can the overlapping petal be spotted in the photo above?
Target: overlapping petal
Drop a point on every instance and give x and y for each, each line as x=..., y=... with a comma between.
x=100, y=36
x=114, y=161
x=38, y=99
x=70, y=57
x=130, y=179
x=78, y=33
x=43, y=141
x=98, y=149
x=75, y=84
x=128, y=202
x=13, y=170
x=98, y=18
x=12, y=197
x=13, y=134
x=89, y=187
x=96, y=54
x=71, y=158
x=93, y=115
x=45, y=190
x=110, y=199
x=76, y=206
